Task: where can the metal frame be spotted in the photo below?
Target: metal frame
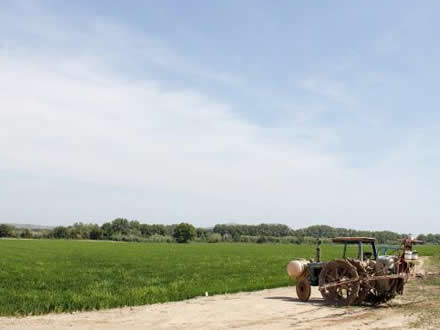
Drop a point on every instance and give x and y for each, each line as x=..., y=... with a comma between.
x=368, y=279
x=360, y=245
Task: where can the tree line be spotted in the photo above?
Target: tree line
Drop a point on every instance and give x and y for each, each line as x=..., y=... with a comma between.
x=121, y=229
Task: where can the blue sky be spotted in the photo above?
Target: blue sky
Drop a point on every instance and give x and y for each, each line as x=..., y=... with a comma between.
x=220, y=111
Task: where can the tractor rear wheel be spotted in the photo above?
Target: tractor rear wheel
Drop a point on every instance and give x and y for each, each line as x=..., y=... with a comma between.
x=365, y=286
x=303, y=289
x=339, y=283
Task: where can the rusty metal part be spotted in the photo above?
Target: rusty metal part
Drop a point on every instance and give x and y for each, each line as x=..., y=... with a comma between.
x=339, y=282
x=351, y=281
x=365, y=287
x=336, y=282
x=377, y=296
x=353, y=239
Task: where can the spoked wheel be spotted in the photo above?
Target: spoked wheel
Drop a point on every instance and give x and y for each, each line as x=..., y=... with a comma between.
x=303, y=289
x=364, y=287
x=339, y=283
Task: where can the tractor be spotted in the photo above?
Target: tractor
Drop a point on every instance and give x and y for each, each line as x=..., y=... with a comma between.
x=361, y=276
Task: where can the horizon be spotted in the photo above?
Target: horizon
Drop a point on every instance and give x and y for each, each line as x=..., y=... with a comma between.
x=295, y=112
x=44, y=227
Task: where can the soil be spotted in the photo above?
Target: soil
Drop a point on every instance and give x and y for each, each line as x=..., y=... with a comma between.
x=267, y=309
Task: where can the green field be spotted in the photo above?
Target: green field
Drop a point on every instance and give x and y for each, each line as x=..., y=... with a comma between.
x=42, y=276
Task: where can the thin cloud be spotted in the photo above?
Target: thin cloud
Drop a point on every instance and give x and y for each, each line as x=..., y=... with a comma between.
x=334, y=90
x=82, y=139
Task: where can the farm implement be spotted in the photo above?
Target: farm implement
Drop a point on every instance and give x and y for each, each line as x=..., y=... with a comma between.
x=368, y=278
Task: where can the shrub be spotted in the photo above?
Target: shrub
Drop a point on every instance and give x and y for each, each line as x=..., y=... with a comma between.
x=133, y=238
x=227, y=237
x=214, y=238
x=272, y=239
x=261, y=239
x=159, y=239
x=289, y=240
x=39, y=234
x=248, y=239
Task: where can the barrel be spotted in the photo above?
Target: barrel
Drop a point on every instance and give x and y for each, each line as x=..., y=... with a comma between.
x=296, y=267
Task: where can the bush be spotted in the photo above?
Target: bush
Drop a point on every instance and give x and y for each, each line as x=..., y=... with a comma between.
x=159, y=239
x=39, y=234
x=272, y=239
x=184, y=232
x=309, y=240
x=127, y=238
x=214, y=238
x=227, y=237
x=289, y=240
x=261, y=239
x=248, y=239
x=117, y=237
x=132, y=238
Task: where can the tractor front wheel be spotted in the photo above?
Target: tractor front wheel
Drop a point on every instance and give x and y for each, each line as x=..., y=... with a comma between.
x=303, y=289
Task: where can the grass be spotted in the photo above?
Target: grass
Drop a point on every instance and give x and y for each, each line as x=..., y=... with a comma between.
x=428, y=250
x=422, y=297
x=43, y=276
x=56, y=276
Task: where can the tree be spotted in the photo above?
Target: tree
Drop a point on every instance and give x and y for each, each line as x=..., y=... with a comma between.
x=5, y=230
x=201, y=233
x=149, y=230
x=95, y=232
x=79, y=230
x=121, y=226
x=107, y=230
x=26, y=233
x=60, y=232
x=184, y=232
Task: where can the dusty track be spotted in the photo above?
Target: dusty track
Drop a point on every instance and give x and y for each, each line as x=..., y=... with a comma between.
x=267, y=309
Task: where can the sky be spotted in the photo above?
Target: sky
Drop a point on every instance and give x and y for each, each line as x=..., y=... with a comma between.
x=225, y=111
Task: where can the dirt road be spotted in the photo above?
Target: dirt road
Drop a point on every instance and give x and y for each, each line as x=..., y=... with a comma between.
x=267, y=309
